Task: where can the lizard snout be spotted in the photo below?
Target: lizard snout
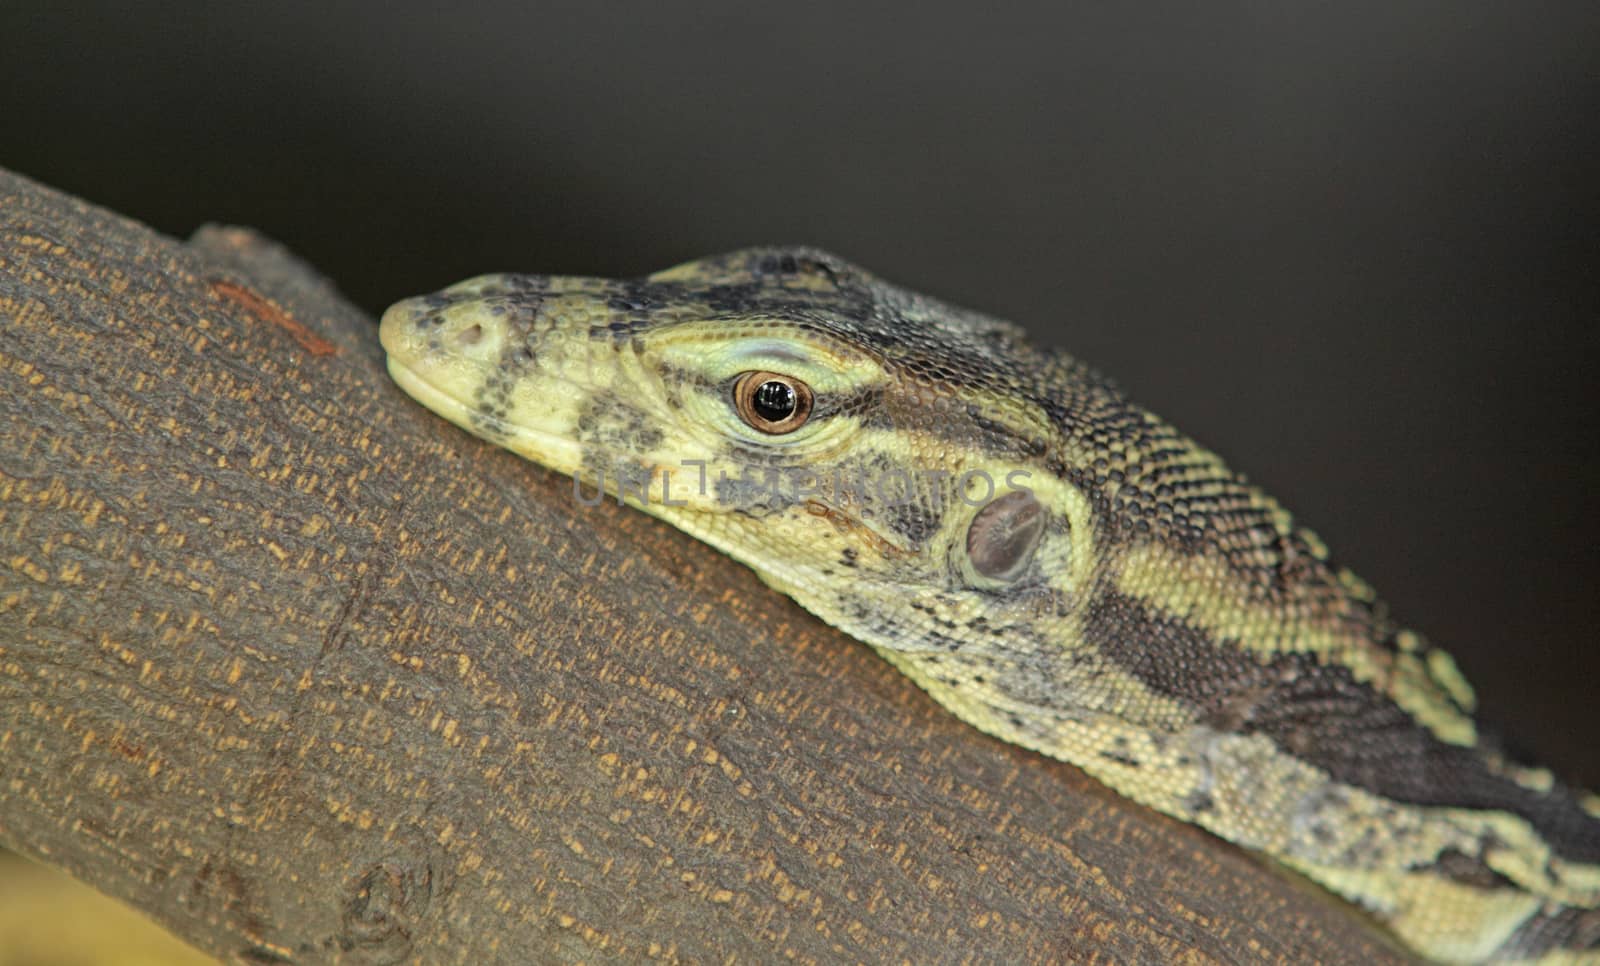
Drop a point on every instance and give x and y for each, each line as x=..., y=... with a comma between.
x=424, y=332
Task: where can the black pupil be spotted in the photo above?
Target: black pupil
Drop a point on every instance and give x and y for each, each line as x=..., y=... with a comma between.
x=774, y=401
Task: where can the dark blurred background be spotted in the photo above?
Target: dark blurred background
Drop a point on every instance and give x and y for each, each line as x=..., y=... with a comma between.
x=1350, y=246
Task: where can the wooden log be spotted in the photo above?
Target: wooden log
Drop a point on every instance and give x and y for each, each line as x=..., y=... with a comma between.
x=307, y=674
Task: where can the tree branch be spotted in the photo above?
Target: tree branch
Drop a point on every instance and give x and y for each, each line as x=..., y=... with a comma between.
x=306, y=674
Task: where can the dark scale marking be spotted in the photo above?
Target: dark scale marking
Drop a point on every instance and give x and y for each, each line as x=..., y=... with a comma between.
x=758, y=299
x=783, y=263
x=868, y=401
x=1469, y=870
x=692, y=379
x=609, y=424
x=634, y=302
x=913, y=521
x=1002, y=438
x=1322, y=715
x=1566, y=929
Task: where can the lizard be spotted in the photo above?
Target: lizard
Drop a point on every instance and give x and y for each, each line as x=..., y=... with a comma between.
x=1052, y=563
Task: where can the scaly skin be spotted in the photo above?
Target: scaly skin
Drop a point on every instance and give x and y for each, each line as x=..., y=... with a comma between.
x=1055, y=565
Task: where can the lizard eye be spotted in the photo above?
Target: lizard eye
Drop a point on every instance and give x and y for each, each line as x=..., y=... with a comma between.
x=772, y=403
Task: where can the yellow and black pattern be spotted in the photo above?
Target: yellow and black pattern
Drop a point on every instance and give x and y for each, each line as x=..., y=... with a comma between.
x=1055, y=565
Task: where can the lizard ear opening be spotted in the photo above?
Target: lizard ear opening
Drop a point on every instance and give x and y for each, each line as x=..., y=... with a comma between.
x=1003, y=536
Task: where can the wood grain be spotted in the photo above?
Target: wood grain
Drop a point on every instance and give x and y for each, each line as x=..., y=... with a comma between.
x=309, y=675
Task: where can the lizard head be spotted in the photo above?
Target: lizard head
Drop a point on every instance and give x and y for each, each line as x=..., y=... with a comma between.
x=808, y=419
x=1053, y=563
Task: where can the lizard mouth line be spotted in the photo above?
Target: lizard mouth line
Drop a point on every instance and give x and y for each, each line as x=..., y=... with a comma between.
x=558, y=452
x=846, y=523
x=566, y=456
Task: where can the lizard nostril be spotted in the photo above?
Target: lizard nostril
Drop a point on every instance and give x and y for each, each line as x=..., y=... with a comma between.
x=471, y=335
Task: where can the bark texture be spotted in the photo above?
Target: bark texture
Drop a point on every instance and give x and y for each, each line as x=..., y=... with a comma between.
x=307, y=674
